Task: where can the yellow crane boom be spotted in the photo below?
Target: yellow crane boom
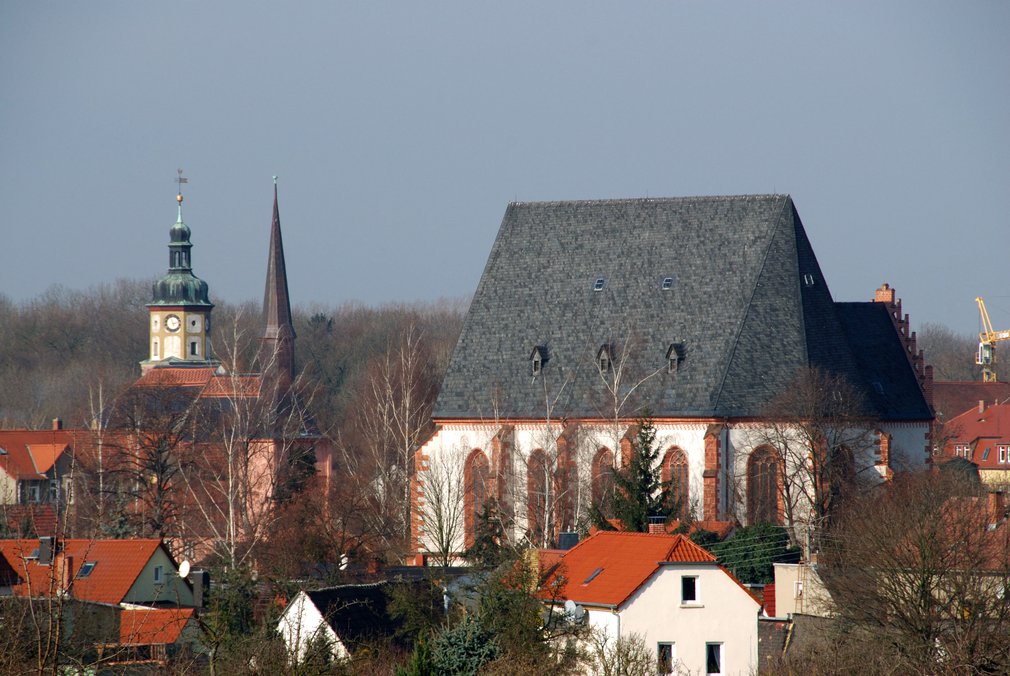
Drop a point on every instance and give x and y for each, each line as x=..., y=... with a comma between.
x=987, y=339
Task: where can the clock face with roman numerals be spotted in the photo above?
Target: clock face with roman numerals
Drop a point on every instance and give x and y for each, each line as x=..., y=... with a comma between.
x=172, y=323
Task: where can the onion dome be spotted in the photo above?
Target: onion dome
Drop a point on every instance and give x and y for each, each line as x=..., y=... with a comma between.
x=179, y=286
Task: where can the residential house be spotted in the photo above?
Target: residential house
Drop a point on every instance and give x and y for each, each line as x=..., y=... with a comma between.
x=981, y=435
x=340, y=619
x=155, y=635
x=112, y=572
x=36, y=466
x=689, y=610
x=699, y=310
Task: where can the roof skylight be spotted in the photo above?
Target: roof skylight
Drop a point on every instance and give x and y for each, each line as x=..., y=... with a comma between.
x=593, y=575
x=667, y=283
x=86, y=568
x=600, y=283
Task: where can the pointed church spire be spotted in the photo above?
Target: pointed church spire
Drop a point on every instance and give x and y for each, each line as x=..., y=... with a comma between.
x=277, y=349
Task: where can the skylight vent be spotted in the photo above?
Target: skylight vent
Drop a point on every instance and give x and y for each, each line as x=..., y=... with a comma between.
x=593, y=576
x=600, y=283
x=86, y=569
x=808, y=279
x=667, y=283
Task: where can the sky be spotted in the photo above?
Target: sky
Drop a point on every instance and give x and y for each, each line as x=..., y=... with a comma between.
x=400, y=131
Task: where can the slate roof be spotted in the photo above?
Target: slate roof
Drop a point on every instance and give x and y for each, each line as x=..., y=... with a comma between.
x=357, y=613
x=747, y=306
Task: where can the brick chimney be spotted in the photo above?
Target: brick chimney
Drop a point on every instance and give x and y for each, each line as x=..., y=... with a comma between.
x=57, y=424
x=885, y=294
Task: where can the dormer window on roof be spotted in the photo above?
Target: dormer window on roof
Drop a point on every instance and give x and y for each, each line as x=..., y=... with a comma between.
x=600, y=283
x=674, y=356
x=538, y=356
x=605, y=357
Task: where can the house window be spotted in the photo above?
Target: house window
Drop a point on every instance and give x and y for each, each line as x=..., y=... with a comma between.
x=154, y=348
x=675, y=474
x=665, y=656
x=537, y=364
x=86, y=569
x=689, y=589
x=475, y=480
x=603, y=357
x=158, y=574
x=1002, y=454
x=33, y=493
x=193, y=351
x=537, y=496
x=713, y=658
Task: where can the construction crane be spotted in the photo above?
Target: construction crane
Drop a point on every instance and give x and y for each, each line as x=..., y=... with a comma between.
x=987, y=339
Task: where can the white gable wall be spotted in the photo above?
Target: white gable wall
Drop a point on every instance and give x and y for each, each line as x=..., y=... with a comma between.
x=724, y=613
x=300, y=623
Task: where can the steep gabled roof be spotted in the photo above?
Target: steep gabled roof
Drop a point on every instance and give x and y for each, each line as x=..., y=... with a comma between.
x=609, y=566
x=29, y=454
x=732, y=281
x=984, y=431
x=952, y=398
x=357, y=613
x=118, y=564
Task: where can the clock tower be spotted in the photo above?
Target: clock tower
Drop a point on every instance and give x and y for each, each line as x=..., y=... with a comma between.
x=179, y=313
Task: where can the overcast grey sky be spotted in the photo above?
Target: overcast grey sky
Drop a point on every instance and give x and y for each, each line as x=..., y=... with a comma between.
x=401, y=130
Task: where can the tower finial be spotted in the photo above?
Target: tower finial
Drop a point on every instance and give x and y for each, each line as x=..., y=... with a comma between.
x=275, y=180
x=178, y=198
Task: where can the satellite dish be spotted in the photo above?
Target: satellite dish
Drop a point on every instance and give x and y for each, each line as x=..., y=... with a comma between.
x=574, y=610
x=184, y=569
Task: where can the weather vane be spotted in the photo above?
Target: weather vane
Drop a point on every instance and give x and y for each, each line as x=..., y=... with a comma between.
x=180, y=180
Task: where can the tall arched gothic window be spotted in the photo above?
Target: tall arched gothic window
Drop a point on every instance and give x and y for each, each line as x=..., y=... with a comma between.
x=537, y=497
x=475, y=480
x=763, y=486
x=676, y=474
x=566, y=483
x=603, y=479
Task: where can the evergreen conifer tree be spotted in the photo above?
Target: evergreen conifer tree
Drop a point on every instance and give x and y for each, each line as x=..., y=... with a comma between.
x=639, y=492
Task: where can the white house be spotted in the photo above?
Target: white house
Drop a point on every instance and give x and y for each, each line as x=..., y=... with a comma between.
x=343, y=618
x=696, y=616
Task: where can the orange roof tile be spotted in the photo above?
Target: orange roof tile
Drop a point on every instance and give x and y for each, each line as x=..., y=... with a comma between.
x=233, y=386
x=608, y=567
x=118, y=565
x=29, y=454
x=984, y=432
x=168, y=376
x=153, y=626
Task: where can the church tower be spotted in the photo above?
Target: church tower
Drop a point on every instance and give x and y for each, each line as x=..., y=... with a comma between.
x=277, y=347
x=180, y=310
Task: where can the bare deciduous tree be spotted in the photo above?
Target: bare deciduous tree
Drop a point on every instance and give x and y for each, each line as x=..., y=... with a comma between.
x=921, y=565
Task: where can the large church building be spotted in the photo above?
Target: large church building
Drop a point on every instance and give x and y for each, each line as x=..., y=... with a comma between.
x=699, y=310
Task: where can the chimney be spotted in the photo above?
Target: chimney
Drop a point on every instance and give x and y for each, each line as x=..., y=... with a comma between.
x=45, y=551
x=885, y=294
x=995, y=504
x=57, y=424
x=657, y=524
x=63, y=572
x=421, y=560
x=981, y=405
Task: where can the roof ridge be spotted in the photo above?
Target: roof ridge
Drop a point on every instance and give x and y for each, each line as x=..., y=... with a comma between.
x=630, y=200
x=750, y=302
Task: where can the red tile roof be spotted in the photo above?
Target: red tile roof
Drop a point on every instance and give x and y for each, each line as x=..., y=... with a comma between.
x=768, y=595
x=233, y=386
x=153, y=626
x=38, y=520
x=608, y=567
x=176, y=377
x=29, y=454
x=118, y=565
x=953, y=398
x=984, y=432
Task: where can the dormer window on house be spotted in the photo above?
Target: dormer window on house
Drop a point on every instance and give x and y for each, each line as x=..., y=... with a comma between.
x=604, y=357
x=600, y=283
x=674, y=356
x=537, y=358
